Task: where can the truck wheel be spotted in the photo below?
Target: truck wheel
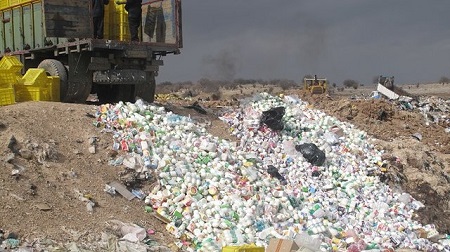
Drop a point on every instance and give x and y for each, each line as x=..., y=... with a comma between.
x=56, y=68
x=115, y=93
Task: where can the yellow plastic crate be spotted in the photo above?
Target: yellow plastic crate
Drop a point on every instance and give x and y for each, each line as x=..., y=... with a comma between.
x=32, y=93
x=16, y=2
x=11, y=63
x=13, y=2
x=7, y=96
x=54, y=86
x=120, y=26
x=50, y=92
x=4, y=4
x=243, y=248
x=8, y=78
x=36, y=77
x=35, y=85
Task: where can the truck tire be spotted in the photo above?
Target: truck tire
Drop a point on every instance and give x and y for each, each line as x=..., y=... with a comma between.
x=56, y=68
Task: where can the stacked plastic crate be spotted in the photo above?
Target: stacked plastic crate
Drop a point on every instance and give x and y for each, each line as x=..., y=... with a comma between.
x=10, y=75
x=35, y=85
x=10, y=3
x=122, y=23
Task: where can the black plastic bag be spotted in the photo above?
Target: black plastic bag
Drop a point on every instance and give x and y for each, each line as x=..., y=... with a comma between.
x=311, y=153
x=272, y=118
x=273, y=172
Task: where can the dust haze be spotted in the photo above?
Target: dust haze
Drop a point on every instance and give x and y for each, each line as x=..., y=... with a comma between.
x=221, y=66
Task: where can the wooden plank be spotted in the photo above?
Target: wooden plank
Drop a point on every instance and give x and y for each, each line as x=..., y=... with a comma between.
x=67, y=18
x=122, y=190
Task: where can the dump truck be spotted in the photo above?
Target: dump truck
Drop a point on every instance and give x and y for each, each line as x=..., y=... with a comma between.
x=315, y=85
x=57, y=35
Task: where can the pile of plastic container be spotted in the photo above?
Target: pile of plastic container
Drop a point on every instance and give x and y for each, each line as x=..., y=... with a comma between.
x=217, y=193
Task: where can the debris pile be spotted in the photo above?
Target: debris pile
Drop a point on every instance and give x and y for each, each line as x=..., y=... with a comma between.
x=435, y=110
x=302, y=174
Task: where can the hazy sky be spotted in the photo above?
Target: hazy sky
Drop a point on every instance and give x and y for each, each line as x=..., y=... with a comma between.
x=337, y=39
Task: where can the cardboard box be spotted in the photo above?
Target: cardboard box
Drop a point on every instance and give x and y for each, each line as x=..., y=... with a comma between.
x=281, y=245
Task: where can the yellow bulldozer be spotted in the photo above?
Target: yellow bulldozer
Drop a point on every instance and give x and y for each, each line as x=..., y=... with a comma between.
x=315, y=85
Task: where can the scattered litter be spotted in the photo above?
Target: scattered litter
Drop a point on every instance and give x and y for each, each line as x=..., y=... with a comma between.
x=17, y=197
x=130, y=162
x=109, y=189
x=93, y=140
x=12, y=145
x=122, y=190
x=27, y=154
x=86, y=198
x=195, y=106
x=18, y=171
x=138, y=193
x=9, y=157
x=417, y=136
x=92, y=149
x=130, y=232
x=90, y=206
x=161, y=218
x=43, y=207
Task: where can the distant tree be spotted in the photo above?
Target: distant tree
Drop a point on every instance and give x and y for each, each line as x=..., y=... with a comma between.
x=444, y=80
x=285, y=83
x=186, y=84
x=165, y=83
x=334, y=85
x=349, y=83
x=239, y=81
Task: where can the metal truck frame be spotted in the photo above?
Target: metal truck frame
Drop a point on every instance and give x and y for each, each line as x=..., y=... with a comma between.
x=116, y=70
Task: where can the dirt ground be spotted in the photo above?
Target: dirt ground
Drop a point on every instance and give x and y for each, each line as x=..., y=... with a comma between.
x=48, y=145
